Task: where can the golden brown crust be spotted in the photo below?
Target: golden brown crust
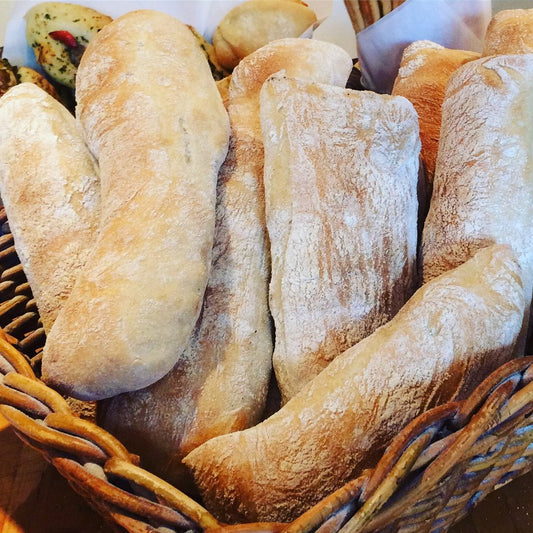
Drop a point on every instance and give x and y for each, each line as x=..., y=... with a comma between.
x=509, y=32
x=424, y=72
x=223, y=89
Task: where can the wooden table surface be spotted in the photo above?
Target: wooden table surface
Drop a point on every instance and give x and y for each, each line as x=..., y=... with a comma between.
x=34, y=498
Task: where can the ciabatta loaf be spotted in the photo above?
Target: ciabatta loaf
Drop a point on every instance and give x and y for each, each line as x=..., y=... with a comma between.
x=220, y=382
x=51, y=192
x=454, y=331
x=483, y=186
x=424, y=72
x=341, y=173
x=509, y=32
x=152, y=115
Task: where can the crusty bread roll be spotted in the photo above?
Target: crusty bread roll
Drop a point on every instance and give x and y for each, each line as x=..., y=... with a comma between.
x=50, y=189
x=341, y=174
x=483, y=187
x=220, y=382
x=424, y=72
x=449, y=336
x=254, y=23
x=509, y=32
x=151, y=113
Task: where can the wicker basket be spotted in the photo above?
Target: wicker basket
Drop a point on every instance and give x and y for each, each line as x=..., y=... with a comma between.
x=433, y=473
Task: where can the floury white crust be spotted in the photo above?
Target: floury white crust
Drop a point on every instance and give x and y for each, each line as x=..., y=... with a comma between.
x=483, y=186
x=50, y=190
x=220, y=382
x=341, y=173
x=151, y=114
x=448, y=337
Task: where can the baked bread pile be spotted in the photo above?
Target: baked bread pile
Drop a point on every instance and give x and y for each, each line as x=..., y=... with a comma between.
x=241, y=273
x=220, y=382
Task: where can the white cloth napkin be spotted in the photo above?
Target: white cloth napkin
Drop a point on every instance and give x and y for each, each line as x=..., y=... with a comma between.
x=459, y=24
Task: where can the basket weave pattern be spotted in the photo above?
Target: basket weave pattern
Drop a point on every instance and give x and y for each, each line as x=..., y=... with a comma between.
x=432, y=474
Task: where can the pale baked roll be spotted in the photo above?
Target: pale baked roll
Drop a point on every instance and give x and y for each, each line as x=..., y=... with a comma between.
x=341, y=174
x=254, y=23
x=220, y=382
x=424, y=72
x=448, y=337
x=151, y=113
x=51, y=193
x=483, y=186
x=509, y=32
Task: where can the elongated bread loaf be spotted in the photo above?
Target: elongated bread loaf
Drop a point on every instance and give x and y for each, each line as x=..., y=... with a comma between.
x=151, y=113
x=220, y=382
x=51, y=192
x=341, y=173
x=483, y=187
x=509, y=32
x=453, y=332
x=424, y=72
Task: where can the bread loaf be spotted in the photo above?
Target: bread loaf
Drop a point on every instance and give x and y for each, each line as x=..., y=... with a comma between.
x=424, y=72
x=220, y=382
x=451, y=334
x=509, y=32
x=51, y=193
x=341, y=173
x=253, y=23
x=483, y=187
x=151, y=113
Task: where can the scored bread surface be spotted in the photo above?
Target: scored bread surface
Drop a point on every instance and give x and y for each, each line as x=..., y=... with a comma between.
x=341, y=173
x=151, y=114
x=51, y=193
